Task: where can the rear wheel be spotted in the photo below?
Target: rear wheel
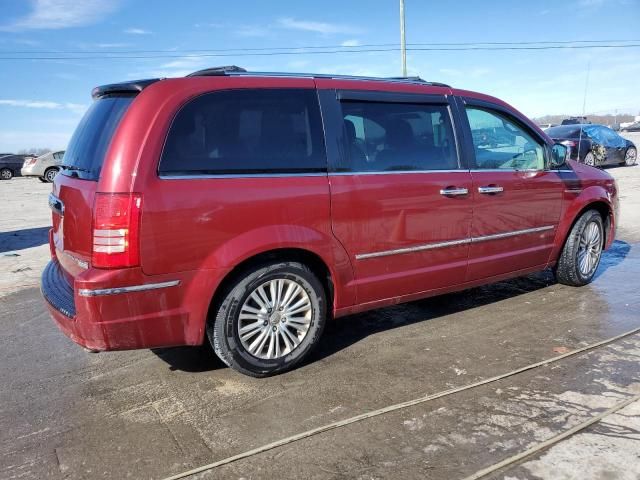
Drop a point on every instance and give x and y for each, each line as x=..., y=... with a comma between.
x=590, y=159
x=50, y=174
x=630, y=157
x=269, y=319
x=6, y=174
x=582, y=251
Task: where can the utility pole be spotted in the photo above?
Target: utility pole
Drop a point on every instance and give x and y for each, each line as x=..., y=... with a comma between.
x=403, y=41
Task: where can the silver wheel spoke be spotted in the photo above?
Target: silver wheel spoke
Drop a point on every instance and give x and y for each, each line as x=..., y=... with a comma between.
x=275, y=318
x=589, y=249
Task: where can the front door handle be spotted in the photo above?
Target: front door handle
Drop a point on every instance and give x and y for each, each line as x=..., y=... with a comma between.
x=454, y=191
x=490, y=189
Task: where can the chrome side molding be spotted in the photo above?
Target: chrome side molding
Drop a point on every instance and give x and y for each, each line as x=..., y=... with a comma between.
x=86, y=292
x=452, y=243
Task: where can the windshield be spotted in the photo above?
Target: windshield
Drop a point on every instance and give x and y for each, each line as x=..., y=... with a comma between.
x=89, y=144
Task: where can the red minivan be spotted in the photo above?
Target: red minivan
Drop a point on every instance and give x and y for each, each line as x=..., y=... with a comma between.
x=245, y=209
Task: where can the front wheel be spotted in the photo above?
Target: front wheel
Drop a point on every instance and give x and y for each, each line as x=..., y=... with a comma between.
x=269, y=319
x=582, y=251
x=6, y=174
x=630, y=157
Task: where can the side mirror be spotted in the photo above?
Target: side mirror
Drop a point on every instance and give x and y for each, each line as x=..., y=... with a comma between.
x=559, y=155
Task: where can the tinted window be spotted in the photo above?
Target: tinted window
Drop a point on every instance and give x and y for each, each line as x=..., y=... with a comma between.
x=500, y=143
x=89, y=144
x=244, y=132
x=396, y=136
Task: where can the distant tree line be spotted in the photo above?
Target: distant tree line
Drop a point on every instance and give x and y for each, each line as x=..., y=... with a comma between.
x=34, y=151
x=608, y=119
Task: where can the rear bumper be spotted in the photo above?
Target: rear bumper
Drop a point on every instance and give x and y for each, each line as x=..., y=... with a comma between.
x=30, y=172
x=101, y=311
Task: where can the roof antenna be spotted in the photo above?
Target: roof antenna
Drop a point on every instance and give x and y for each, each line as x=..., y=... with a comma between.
x=586, y=86
x=584, y=110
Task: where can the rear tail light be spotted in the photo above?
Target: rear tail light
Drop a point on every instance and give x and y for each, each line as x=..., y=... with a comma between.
x=116, y=230
x=29, y=162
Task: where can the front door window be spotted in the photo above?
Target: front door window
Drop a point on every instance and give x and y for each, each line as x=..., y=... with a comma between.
x=500, y=143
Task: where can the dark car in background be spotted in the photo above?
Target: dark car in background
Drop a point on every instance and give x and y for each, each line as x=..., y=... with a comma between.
x=10, y=166
x=595, y=145
x=634, y=127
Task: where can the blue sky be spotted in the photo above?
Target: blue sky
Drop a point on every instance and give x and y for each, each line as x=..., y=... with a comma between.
x=41, y=101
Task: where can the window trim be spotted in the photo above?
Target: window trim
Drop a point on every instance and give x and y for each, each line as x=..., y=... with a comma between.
x=519, y=120
x=247, y=173
x=333, y=120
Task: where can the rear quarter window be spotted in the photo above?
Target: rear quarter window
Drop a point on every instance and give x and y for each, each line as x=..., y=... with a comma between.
x=246, y=132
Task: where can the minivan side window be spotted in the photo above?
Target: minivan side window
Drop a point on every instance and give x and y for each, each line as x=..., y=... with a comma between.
x=500, y=143
x=382, y=136
x=246, y=131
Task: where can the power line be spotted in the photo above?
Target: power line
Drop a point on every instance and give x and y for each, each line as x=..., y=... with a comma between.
x=316, y=52
x=319, y=47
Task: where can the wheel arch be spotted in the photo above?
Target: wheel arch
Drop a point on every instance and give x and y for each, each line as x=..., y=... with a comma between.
x=601, y=205
x=293, y=254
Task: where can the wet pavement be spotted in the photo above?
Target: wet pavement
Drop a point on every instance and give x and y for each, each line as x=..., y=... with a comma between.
x=68, y=414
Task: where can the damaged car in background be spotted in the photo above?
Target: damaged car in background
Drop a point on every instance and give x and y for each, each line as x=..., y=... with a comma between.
x=595, y=145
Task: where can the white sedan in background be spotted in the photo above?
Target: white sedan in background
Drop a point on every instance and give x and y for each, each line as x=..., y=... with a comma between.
x=45, y=167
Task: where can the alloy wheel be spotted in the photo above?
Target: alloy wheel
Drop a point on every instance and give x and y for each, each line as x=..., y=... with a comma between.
x=630, y=157
x=6, y=174
x=50, y=175
x=274, y=319
x=589, y=249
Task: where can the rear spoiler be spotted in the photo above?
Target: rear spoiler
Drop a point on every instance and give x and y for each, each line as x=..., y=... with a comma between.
x=133, y=87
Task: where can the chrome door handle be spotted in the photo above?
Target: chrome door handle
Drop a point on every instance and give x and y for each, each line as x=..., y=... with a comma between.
x=486, y=190
x=452, y=192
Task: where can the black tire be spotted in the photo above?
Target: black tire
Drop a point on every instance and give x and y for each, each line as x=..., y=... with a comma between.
x=50, y=174
x=568, y=270
x=6, y=174
x=43, y=180
x=590, y=159
x=223, y=325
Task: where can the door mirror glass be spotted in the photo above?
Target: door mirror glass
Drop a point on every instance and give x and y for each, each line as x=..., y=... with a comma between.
x=559, y=155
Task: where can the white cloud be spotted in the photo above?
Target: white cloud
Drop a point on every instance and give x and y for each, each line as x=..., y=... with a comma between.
x=350, y=43
x=137, y=31
x=56, y=14
x=112, y=45
x=43, y=104
x=175, y=68
x=252, y=31
x=316, y=27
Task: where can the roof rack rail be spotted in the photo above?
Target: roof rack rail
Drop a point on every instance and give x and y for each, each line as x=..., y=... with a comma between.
x=233, y=70
x=215, y=71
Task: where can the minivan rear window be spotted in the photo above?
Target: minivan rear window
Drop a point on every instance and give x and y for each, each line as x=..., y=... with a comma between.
x=246, y=131
x=86, y=151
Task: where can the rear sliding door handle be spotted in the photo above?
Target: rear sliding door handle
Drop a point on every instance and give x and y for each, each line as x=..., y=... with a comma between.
x=452, y=192
x=491, y=189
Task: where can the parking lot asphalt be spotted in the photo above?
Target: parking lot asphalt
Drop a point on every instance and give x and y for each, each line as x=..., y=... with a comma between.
x=65, y=413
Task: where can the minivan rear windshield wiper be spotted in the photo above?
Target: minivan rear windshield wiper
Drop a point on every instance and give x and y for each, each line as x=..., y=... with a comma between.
x=74, y=168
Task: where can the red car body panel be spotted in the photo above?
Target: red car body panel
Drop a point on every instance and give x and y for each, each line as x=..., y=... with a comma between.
x=196, y=231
